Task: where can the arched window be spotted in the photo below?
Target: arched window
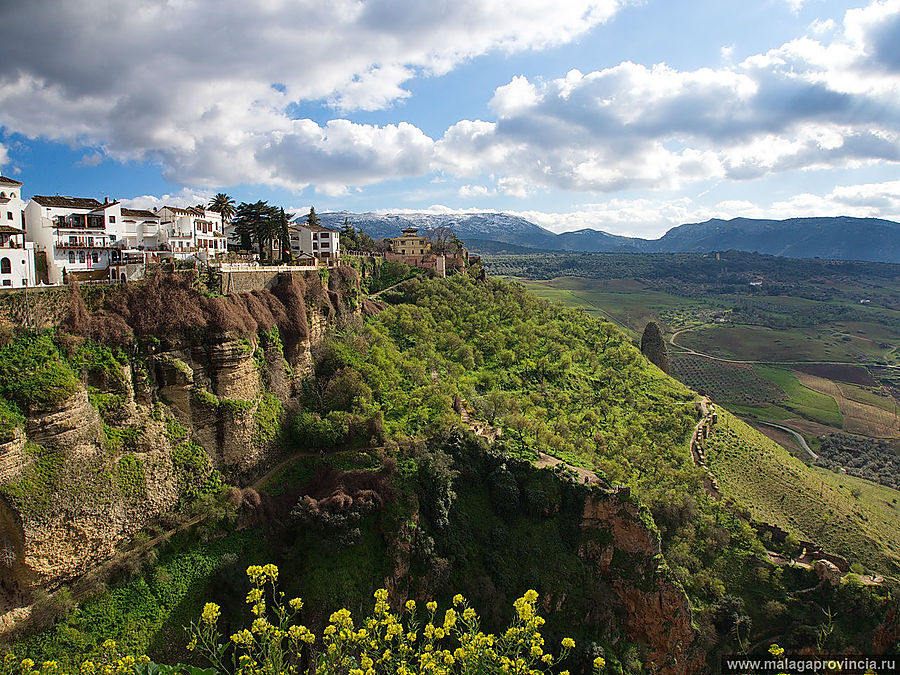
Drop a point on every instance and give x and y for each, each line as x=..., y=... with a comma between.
x=81, y=256
x=5, y=266
x=71, y=257
x=2, y=195
x=95, y=257
x=12, y=195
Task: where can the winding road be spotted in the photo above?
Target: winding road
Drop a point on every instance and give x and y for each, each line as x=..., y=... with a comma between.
x=799, y=437
x=694, y=352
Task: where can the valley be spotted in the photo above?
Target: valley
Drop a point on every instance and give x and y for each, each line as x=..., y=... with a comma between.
x=309, y=425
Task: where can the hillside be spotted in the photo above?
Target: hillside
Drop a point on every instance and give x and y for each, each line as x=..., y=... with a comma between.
x=832, y=238
x=639, y=561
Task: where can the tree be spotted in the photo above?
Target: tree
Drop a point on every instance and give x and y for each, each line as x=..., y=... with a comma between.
x=284, y=234
x=312, y=219
x=258, y=224
x=444, y=240
x=654, y=347
x=223, y=205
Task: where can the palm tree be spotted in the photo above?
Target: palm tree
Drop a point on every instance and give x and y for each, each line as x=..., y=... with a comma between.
x=223, y=205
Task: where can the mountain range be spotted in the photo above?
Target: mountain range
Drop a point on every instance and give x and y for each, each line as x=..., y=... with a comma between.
x=837, y=238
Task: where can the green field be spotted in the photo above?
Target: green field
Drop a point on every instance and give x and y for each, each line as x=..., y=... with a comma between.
x=849, y=516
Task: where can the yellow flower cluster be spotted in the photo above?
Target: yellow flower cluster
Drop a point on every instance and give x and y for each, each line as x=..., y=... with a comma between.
x=386, y=642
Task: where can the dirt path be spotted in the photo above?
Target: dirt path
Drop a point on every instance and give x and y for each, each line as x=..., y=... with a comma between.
x=586, y=475
x=797, y=436
x=385, y=290
x=708, y=418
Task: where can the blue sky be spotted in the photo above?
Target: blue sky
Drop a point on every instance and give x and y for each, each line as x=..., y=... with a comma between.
x=626, y=116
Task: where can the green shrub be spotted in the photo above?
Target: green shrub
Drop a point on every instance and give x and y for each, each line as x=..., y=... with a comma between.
x=130, y=477
x=33, y=374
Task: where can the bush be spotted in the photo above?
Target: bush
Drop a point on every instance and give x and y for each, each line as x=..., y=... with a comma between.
x=33, y=374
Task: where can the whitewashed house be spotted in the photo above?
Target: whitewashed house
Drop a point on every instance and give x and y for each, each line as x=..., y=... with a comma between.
x=315, y=240
x=192, y=233
x=17, y=268
x=78, y=236
x=140, y=229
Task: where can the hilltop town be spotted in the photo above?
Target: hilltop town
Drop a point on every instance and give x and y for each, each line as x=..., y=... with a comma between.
x=50, y=240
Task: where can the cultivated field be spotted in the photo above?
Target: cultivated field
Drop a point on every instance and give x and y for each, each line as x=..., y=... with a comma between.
x=725, y=382
x=859, y=418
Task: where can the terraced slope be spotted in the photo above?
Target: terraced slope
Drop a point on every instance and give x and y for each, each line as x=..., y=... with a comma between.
x=849, y=516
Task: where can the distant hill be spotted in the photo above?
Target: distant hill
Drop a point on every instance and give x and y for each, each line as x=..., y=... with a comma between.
x=838, y=238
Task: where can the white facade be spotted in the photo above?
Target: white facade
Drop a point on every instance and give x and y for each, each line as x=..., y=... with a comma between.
x=192, y=233
x=317, y=241
x=140, y=229
x=78, y=236
x=16, y=255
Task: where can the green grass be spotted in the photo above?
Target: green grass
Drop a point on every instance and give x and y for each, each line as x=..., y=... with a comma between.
x=869, y=397
x=812, y=503
x=800, y=400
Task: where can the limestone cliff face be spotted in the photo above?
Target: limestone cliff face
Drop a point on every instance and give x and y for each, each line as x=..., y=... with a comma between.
x=624, y=549
x=80, y=479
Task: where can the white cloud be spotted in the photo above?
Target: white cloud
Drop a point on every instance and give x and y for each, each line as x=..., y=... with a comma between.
x=202, y=91
x=475, y=191
x=805, y=105
x=184, y=198
x=795, y=5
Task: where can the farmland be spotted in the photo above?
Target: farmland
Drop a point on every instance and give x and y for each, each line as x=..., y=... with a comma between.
x=810, y=345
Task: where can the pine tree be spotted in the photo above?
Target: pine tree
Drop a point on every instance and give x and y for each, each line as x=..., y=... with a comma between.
x=312, y=219
x=654, y=347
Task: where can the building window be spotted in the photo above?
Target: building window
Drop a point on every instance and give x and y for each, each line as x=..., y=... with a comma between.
x=9, y=215
x=5, y=266
x=81, y=256
x=71, y=257
x=7, y=282
x=112, y=219
x=95, y=256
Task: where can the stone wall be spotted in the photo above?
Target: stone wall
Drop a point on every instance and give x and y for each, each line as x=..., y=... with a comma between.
x=236, y=280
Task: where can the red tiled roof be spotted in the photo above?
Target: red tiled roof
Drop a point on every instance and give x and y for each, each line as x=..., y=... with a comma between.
x=67, y=202
x=138, y=213
x=8, y=181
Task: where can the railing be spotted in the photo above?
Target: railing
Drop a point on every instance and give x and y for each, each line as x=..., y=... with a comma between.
x=252, y=267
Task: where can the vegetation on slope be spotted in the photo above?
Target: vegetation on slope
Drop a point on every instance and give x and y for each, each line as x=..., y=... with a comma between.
x=849, y=516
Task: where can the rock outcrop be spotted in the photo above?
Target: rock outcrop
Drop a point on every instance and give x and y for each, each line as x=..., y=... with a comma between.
x=624, y=548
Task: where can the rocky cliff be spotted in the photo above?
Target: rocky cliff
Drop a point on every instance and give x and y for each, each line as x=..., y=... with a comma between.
x=194, y=396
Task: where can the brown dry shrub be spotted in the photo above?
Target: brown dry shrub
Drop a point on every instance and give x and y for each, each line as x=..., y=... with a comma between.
x=164, y=306
x=258, y=309
x=273, y=304
x=290, y=290
x=339, y=501
x=78, y=318
x=109, y=328
x=70, y=344
x=342, y=278
x=225, y=315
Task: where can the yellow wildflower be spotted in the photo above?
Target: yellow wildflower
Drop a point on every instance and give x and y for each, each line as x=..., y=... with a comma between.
x=296, y=604
x=568, y=643
x=432, y=606
x=599, y=663
x=210, y=613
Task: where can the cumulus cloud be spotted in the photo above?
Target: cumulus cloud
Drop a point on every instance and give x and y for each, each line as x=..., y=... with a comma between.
x=804, y=105
x=183, y=198
x=206, y=92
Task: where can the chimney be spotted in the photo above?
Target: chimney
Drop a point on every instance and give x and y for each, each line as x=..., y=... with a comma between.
x=106, y=200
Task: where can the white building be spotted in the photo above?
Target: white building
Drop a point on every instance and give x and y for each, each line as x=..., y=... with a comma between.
x=16, y=255
x=192, y=233
x=140, y=229
x=78, y=236
x=315, y=240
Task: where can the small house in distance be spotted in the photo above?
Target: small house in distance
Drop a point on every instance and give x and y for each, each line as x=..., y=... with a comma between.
x=415, y=250
x=17, y=268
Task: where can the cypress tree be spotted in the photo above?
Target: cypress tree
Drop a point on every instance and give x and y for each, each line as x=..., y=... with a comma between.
x=654, y=347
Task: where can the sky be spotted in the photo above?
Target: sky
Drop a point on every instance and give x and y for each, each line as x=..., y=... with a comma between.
x=628, y=116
